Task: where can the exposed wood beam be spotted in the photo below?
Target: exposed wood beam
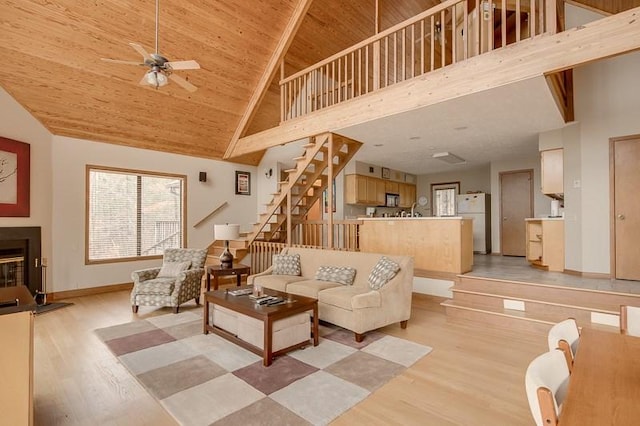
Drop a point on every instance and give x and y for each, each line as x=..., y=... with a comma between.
x=272, y=66
x=542, y=55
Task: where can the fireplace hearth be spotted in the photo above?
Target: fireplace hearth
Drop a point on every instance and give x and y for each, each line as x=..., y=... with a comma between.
x=20, y=257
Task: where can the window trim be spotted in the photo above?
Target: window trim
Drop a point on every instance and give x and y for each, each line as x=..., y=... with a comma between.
x=439, y=186
x=134, y=172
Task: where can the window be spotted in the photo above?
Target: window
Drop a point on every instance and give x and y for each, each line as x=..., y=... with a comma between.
x=443, y=196
x=133, y=214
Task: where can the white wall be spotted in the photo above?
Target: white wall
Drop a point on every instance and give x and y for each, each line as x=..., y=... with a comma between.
x=70, y=157
x=607, y=101
x=476, y=179
x=16, y=123
x=58, y=196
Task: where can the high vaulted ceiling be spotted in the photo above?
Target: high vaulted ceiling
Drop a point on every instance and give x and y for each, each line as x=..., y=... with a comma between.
x=51, y=54
x=51, y=63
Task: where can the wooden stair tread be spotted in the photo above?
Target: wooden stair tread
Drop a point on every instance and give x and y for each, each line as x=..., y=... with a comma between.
x=540, y=301
x=545, y=319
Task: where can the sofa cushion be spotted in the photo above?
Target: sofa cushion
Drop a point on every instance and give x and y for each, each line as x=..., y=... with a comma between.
x=383, y=272
x=172, y=269
x=350, y=298
x=157, y=286
x=310, y=288
x=276, y=282
x=337, y=274
x=286, y=264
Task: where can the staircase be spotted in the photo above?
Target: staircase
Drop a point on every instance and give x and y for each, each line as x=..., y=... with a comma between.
x=303, y=186
x=531, y=306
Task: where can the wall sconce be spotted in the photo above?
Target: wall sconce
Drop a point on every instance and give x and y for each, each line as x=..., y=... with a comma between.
x=268, y=173
x=202, y=176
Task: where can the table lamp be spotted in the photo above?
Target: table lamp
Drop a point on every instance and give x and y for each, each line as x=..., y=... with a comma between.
x=226, y=232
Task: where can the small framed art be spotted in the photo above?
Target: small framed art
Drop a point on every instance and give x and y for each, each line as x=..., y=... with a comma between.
x=243, y=183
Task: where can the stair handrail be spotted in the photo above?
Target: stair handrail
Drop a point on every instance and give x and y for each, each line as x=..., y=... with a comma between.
x=213, y=212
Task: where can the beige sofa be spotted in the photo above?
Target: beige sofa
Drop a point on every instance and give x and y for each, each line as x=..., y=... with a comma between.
x=356, y=307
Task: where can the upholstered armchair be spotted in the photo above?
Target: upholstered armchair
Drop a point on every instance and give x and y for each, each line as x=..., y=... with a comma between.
x=177, y=281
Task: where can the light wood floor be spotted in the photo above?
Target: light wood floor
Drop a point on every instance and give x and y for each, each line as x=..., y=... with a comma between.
x=474, y=376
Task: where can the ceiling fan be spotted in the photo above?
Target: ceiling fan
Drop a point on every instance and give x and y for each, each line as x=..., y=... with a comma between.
x=160, y=68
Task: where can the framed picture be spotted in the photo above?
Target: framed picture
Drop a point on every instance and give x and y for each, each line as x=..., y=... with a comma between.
x=243, y=183
x=386, y=173
x=14, y=178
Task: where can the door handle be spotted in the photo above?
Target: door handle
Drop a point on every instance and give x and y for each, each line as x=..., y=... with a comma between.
x=621, y=216
x=504, y=218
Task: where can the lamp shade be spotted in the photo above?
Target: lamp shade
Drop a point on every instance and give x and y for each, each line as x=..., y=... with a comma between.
x=226, y=232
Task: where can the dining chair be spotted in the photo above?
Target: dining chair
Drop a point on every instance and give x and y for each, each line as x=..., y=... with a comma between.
x=546, y=382
x=630, y=320
x=565, y=336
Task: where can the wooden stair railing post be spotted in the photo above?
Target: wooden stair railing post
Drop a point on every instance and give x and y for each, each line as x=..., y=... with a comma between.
x=289, y=207
x=329, y=190
x=551, y=16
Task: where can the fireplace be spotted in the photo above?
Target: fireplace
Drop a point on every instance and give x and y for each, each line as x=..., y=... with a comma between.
x=20, y=258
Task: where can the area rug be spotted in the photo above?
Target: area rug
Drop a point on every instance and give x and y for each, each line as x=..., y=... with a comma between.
x=204, y=379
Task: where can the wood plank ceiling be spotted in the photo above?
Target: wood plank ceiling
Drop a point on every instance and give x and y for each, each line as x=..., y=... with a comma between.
x=51, y=54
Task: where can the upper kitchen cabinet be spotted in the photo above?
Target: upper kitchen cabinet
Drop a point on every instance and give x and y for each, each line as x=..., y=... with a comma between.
x=364, y=190
x=552, y=172
x=407, y=193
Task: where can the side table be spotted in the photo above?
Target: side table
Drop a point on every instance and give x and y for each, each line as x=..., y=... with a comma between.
x=218, y=271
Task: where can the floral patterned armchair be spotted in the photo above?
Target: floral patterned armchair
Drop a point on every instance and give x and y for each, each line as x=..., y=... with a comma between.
x=178, y=281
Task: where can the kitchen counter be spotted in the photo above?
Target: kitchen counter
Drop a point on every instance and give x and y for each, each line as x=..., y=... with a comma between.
x=437, y=244
x=413, y=218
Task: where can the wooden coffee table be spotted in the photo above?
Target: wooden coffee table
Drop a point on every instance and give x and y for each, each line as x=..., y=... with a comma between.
x=244, y=305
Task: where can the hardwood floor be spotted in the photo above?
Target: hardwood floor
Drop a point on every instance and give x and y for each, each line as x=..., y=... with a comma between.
x=474, y=375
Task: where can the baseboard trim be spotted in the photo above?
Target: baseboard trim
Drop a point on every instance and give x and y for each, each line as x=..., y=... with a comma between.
x=68, y=294
x=597, y=275
x=436, y=275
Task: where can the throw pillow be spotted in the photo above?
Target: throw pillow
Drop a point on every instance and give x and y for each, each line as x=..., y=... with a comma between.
x=337, y=274
x=172, y=269
x=286, y=264
x=382, y=273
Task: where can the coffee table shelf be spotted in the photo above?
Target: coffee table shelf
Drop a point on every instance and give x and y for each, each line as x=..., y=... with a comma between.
x=244, y=306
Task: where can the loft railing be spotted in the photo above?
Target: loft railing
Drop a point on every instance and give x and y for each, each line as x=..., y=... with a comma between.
x=443, y=35
x=316, y=233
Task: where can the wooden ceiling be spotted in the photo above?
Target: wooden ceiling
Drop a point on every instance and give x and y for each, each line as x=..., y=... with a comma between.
x=51, y=54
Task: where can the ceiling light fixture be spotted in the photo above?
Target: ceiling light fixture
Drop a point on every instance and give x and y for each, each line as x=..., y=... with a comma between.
x=449, y=158
x=156, y=78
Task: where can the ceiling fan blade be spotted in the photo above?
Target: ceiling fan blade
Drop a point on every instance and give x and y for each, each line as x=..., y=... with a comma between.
x=183, y=65
x=143, y=80
x=118, y=61
x=141, y=50
x=182, y=82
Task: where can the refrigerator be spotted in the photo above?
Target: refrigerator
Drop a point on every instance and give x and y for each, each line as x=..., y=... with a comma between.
x=477, y=207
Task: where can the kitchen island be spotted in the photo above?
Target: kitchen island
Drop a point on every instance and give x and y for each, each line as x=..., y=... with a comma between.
x=437, y=244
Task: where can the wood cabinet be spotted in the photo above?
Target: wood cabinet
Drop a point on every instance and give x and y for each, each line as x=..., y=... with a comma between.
x=442, y=245
x=551, y=168
x=364, y=190
x=372, y=191
x=391, y=187
x=545, y=243
x=407, y=194
x=16, y=368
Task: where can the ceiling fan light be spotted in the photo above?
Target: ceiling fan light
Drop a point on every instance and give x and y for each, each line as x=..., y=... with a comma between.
x=156, y=79
x=162, y=79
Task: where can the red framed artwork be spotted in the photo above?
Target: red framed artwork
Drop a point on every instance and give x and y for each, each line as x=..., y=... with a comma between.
x=14, y=178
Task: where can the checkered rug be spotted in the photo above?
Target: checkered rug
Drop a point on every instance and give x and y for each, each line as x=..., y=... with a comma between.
x=204, y=379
